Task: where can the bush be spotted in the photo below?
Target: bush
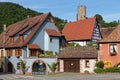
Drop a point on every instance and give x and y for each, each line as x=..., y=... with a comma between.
x=112, y=69
x=99, y=64
x=99, y=70
x=53, y=66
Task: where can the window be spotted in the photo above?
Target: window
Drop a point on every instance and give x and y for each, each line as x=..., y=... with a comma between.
x=18, y=52
x=12, y=39
x=87, y=63
x=21, y=39
x=113, y=49
x=9, y=52
x=33, y=52
x=51, y=39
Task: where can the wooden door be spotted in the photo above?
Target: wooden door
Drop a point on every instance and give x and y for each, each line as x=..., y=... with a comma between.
x=9, y=67
x=71, y=65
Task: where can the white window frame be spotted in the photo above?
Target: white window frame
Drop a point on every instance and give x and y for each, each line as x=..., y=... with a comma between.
x=113, y=49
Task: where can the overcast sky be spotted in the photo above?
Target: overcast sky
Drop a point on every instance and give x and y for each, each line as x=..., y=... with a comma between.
x=67, y=9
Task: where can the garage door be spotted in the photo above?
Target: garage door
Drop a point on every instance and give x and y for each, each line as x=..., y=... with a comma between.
x=71, y=66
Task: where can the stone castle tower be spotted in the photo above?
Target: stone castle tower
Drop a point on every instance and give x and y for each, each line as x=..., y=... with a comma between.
x=81, y=12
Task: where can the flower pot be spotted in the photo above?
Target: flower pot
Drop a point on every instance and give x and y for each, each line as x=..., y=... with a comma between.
x=23, y=73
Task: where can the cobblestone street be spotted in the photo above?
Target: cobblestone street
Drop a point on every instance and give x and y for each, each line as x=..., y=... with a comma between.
x=62, y=76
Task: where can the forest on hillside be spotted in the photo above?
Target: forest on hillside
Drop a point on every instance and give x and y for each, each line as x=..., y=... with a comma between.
x=12, y=12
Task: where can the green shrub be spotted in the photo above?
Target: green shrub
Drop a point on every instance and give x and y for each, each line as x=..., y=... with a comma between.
x=53, y=66
x=99, y=70
x=47, y=54
x=99, y=64
x=112, y=69
x=22, y=66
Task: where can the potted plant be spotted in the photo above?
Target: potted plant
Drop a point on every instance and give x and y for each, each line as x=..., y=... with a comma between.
x=53, y=66
x=23, y=66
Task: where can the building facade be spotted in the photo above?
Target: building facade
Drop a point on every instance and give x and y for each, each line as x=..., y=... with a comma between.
x=77, y=59
x=109, y=48
x=27, y=40
x=82, y=32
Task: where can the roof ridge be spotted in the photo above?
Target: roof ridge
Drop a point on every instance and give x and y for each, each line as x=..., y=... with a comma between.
x=83, y=19
x=35, y=29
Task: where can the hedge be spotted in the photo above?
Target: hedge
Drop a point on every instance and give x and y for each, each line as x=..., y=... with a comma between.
x=99, y=70
x=112, y=69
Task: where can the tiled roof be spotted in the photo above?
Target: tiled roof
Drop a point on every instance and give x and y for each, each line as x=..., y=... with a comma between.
x=33, y=46
x=52, y=32
x=79, y=30
x=106, y=31
x=114, y=36
x=78, y=52
x=32, y=23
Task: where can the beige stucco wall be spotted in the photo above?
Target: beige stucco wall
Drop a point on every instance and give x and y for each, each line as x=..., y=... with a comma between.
x=82, y=65
x=91, y=63
x=61, y=65
x=1, y=51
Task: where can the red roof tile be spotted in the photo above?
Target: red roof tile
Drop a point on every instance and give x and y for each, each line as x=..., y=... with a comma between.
x=52, y=32
x=78, y=52
x=114, y=36
x=106, y=31
x=33, y=46
x=20, y=28
x=79, y=30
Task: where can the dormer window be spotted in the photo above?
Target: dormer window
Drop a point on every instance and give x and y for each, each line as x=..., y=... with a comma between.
x=11, y=39
x=21, y=39
x=113, y=49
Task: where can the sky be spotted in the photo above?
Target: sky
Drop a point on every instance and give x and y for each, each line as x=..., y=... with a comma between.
x=67, y=9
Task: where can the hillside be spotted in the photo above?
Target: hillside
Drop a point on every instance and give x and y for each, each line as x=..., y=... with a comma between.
x=11, y=13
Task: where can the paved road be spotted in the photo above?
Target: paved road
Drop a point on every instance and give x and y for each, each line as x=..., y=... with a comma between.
x=62, y=76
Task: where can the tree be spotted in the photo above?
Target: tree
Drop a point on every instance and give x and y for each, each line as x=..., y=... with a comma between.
x=102, y=23
x=99, y=18
x=11, y=13
x=23, y=66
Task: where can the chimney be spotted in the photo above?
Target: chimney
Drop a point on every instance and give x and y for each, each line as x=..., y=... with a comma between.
x=4, y=26
x=81, y=12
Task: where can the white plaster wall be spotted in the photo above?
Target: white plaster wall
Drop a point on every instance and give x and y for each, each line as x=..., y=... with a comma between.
x=61, y=65
x=90, y=69
x=46, y=42
x=82, y=43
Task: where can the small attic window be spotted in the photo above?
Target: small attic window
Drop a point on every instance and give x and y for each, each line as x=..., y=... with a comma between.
x=48, y=19
x=11, y=39
x=51, y=39
x=21, y=38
